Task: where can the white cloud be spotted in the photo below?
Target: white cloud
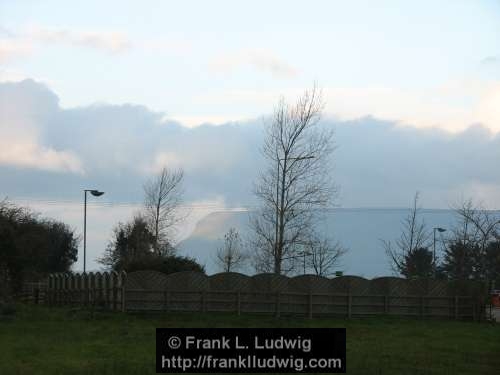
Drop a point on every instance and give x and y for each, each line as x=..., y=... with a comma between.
x=178, y=47
x=261, y=60
x=21, y=115
x=453, y=106
x=27, y=154
x=490, y=60
x=11, y=48
x=113, y=42
x=15, y=46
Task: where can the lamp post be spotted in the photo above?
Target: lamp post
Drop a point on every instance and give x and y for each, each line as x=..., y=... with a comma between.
x=300, y=254
x=277, y=199
x=95, y=193
x=304, y=254
x=440, y=230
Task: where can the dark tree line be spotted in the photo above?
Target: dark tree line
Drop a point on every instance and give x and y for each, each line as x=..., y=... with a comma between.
x=471, y=250
x=31, y=247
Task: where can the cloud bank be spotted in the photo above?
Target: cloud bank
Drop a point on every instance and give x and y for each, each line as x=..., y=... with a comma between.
x=116, y=147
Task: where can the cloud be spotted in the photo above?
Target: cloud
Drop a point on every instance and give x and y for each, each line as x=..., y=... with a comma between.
x=11, y=49
x=24, y=108
x=490, y=60
x=27, y=154
x=14, y=46
x=177, y=47
x=113, y=42
x=261, y=60
x=453, y=106
x=22, y=44
x=377, y=163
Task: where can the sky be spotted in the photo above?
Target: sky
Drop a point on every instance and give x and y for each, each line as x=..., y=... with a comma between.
x=419, y=63
x=102, y=94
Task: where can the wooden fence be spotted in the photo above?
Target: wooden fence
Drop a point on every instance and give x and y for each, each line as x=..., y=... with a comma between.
x=35, y=292
x=308, y=296
x=104, y=290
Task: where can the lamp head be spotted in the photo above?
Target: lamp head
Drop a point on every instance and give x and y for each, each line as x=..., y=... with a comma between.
x=441, y=230
x=96, y=193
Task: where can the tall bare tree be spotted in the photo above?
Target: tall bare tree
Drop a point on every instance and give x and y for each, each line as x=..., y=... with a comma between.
x=414, y=237
x=163, y=196
x=296, y=182
x=231, y=256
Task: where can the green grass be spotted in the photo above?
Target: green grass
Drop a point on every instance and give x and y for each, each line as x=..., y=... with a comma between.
x=40, y=340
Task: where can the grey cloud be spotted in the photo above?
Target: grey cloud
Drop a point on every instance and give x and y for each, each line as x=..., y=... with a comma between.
x=490, y=60
x=377, y=163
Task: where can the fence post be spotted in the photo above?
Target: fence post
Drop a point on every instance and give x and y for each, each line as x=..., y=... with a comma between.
x=349, y=305
x=422, y=306
x=57, y=293
x=386, y=304
x=106, y=284
x=456, y=307
x=36, y=294
x=277, y=305
x=473, y=310
x=49, y=290
x=310, y=305
x=114, y=286
x=123, y=278
x=238, y=302
x=166, y=295
x=202, y=301
x=99, y=295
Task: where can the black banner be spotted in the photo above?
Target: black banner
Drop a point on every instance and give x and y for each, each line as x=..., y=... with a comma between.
x=221, y=350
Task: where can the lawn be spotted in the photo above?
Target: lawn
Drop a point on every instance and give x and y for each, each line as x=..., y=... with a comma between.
x=39, y=340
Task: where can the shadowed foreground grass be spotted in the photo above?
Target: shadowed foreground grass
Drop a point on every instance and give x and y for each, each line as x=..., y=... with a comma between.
x=40, y=340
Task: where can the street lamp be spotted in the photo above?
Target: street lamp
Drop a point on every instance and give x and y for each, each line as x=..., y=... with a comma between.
x=300, y=254
x=304, y=254
x=440, y=230
x=95, y=193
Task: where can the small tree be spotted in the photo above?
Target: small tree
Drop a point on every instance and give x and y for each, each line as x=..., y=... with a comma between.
x=477, y=230
x=414, y=236
x=231, y=257
x=131, y=241
x=324, y=255
x=419, y=263
x=163, y=195
x=458, y=262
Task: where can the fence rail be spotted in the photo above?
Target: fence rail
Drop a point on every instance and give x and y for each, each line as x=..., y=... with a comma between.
x=309, y=296
x=281, y=304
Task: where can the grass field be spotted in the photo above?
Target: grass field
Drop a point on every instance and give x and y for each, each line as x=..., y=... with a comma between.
x=40, y=340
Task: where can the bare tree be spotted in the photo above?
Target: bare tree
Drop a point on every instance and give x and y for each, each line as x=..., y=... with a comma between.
x=231, y=257
x=414, y=236
x=477, y=228
x=296, y=182
x=163, y=195
x=324, y=255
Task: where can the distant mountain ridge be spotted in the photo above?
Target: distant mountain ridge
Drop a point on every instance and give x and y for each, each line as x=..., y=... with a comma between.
x=358, y=229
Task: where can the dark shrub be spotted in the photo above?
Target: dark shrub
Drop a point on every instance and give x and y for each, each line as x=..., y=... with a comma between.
x=166, y=265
